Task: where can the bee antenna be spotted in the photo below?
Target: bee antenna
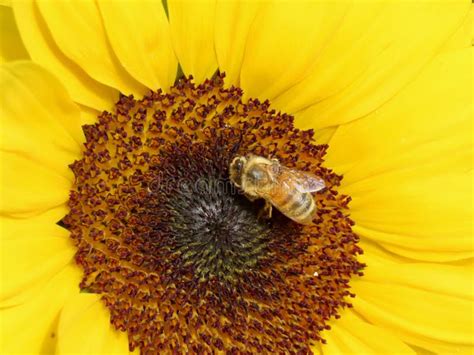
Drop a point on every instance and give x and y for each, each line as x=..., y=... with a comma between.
x=220, y=142
x=237, y=144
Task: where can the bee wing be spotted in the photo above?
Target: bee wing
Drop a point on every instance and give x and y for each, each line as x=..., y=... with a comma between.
x=304, y=181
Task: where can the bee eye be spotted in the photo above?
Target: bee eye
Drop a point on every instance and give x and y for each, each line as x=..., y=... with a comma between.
x=239, y=164
x=236, y=168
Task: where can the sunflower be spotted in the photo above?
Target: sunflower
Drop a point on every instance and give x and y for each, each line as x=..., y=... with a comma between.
x=121, y=231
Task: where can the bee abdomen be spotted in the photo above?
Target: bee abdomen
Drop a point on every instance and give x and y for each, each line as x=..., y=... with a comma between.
x=306, y=215
x=300, y=207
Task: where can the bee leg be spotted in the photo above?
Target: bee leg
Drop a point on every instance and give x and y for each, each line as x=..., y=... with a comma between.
x=266, y=211
x=250, y=197
x=268, y=208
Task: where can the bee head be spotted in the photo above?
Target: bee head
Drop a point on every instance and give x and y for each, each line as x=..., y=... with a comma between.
x=236, y=169
x=257, y=175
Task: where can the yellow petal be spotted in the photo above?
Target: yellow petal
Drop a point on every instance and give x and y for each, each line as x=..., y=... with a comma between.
x=139, y=34
x=321, y=136
x=339, y=341
x=462, y=38
x=28, y=261
x=233, y=25
x=352, y=335
x=84, y=327
x=403, y=252
x=444, y=279
x=412, y=128
x=40, y=121
x=78, y=31
x=379, y=47
x=43, y=50
x=428, y=255
x=26, y=227
x=11, y=46
x=421, y=213
x=471, y=19
x=284, y=41
x=88, y=115
x=31, y=327
x=28, y=188
x=428, y=314
x=431, y=346
x=192, y=33
x=407, y=165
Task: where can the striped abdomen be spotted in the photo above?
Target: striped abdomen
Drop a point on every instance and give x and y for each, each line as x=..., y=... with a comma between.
x=299, y=206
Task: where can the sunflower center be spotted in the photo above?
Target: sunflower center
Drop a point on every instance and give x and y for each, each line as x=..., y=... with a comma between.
x=178, y=254
x=218, y=234
x=214, y=230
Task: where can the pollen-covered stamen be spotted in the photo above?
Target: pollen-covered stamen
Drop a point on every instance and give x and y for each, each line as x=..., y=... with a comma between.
x=181, y=260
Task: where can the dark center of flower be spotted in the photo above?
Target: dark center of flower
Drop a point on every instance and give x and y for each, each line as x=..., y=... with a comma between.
x=179, y=255
x=216, y=233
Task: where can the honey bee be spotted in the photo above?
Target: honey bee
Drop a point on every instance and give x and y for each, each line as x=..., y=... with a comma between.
x=288, y=190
